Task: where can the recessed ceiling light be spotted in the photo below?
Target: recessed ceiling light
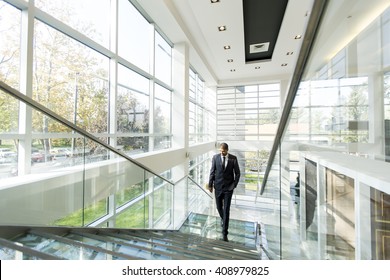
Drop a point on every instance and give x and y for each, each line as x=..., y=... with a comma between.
x=222, y=28
x=227, y=47
x=214, y=1
x=289, y=53
x=230, y=60
x=232, y=70
x=257, y=67
x=298, y=37
x=284, y=64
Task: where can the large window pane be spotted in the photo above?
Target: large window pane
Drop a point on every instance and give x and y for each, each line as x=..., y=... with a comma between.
x=90, y=17
x=132, y=102
x=162, y=118
x=163, y=59
x=10, y=21
x=134, y=36
x=70, y=79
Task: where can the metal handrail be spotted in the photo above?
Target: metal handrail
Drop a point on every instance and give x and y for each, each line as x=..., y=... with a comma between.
x=307, y=44
x=39, y=107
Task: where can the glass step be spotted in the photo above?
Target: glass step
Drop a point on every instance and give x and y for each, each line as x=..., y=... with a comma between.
x=240, y=232
x=10, y=250
x=166, y=242
x=198, y=238
x=132, y=245
x=66, y=250
x=193, y=246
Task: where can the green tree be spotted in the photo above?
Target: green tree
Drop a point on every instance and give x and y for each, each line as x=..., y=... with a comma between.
x=357, y=110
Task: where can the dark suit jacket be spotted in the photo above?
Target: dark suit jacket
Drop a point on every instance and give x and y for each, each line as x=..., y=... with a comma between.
x=226, y=179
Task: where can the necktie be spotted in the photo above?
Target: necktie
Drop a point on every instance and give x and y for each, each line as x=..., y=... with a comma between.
x=223, y=163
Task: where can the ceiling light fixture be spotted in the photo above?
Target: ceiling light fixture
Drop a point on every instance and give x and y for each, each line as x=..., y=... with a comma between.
x=298, y=37
x=257, y=67
x=289, y=53
x=284, y=64
x=214, y=1
x=222, y=28
x=230, y=60
x=232, y=70
x=227, y=47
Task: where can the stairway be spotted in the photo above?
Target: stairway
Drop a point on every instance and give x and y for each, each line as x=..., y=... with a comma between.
x=197, y=239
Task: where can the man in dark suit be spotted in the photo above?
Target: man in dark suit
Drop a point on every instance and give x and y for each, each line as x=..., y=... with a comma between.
x=224, y=178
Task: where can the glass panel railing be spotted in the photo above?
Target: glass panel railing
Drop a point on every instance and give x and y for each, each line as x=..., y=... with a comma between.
x=270, y=212
x=180, y=198
x=189, y=197
x=163, y=204
x=53, y=173
x=334, y=150
x=199, y=198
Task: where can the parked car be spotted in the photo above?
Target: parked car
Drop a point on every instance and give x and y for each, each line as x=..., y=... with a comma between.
x=4, y=150
x=60, y=157
x=65, y=151
x=37, y=157
x=8, y=157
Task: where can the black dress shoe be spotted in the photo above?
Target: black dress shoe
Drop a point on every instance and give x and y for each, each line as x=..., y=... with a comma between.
x=225, y=238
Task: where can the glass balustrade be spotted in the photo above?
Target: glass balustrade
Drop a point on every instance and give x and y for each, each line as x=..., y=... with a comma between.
x=52, y=175
x=330, y=175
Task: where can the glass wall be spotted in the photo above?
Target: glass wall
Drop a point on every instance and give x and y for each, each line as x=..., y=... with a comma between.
x=247, y=119
x=201, y=110
x=108, y=72
x=333, y=159
x=72, y=62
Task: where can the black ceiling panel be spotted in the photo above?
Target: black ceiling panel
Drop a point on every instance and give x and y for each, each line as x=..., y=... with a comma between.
x=262, y=21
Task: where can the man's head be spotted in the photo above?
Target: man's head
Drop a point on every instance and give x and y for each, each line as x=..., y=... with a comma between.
x=224, y=148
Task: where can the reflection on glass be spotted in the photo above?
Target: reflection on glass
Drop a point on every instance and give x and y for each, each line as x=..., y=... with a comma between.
x=337, y=135
x=340, y=215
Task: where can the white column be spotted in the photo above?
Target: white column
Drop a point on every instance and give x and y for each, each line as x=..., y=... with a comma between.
x=26, y=69
x=113, y=74
x=180, y=105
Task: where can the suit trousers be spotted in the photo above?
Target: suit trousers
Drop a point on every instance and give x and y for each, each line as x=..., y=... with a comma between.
x=223, y=200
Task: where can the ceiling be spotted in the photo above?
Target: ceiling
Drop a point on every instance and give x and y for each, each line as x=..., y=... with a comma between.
x=196, y=22
x=262, y=21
